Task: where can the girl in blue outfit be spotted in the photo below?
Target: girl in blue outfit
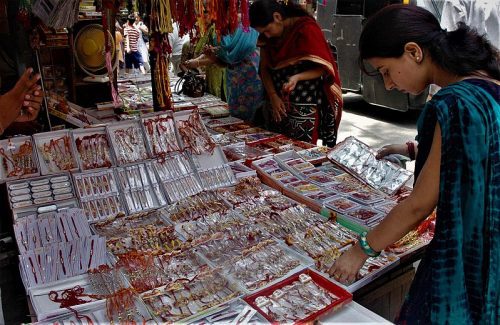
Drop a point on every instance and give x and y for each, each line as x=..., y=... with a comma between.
x=457, y=166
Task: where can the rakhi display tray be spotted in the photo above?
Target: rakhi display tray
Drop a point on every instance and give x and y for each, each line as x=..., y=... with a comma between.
x=235, y=312
x=341, y=295
x=45, y=308
x=18, y=158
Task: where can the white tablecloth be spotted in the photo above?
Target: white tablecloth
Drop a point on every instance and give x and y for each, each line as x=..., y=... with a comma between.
x=353, y=313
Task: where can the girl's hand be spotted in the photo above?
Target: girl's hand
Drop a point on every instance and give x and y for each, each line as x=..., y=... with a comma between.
x=290, y=85
x=278, y=108
x=346, y=267
x=400, y=149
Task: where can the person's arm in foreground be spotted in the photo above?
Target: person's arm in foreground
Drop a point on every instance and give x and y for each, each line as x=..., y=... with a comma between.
x=22, y=103
x=403, y=218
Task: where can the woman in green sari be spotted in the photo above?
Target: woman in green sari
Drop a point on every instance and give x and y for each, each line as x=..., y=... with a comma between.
x=457, y=166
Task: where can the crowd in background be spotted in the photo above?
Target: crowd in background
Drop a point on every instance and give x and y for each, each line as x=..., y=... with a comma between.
x=132, y=43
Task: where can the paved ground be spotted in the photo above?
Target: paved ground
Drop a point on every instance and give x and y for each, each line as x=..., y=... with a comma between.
x=376, y=126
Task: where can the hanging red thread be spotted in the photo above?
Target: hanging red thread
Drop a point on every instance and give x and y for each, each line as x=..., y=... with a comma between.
x=181, y=16
x=233, y=16
x=245, y=18
x=175, y=13
x=190, y=16
x=108, y=51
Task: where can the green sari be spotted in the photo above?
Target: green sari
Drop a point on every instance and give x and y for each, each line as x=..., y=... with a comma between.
x=215, y=74
x=457, y=281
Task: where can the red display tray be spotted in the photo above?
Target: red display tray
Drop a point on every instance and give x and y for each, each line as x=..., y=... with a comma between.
x=343, y=295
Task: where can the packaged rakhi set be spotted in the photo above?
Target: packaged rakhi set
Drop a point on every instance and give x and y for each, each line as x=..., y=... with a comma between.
x=360, y=160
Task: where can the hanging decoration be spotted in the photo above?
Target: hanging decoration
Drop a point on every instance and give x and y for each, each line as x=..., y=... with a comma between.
x=200, y=18
x=107, y=7
x=245, y=16
x=197, y=14
x=162, y=81
x=189, y=18
x=212, y=9
x=23, y=15
x=233, y=16
x=221, y=21
x=161, y=17
x=192, y=16
x=161, y=25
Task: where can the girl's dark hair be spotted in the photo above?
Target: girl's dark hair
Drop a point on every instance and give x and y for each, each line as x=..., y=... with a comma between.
x=462, y=51
x=261, y=11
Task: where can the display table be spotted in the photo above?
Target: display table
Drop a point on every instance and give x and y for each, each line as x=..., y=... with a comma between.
x=353, y=313
x=162, y=193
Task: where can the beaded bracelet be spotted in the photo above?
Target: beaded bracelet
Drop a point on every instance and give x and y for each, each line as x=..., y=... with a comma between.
x=366, y=247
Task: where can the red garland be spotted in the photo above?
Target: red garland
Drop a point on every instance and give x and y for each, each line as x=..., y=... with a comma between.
x=233, y=16
x=245, y=18
x=166, y=47
x=181, y=16
x=190, y=16
x=221, y=22
x=173, y=10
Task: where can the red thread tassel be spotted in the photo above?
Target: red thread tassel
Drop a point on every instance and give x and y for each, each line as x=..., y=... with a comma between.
x=190, y=16
x=233, y=16
x=245, y=18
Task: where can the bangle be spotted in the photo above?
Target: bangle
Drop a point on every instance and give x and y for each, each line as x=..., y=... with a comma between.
x=367, y=249
x=411, y=149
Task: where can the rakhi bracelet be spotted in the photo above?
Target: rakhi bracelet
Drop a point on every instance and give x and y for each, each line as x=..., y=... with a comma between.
x=367, y=249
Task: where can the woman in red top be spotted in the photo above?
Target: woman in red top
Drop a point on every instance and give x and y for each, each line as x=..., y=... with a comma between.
x=298, y=71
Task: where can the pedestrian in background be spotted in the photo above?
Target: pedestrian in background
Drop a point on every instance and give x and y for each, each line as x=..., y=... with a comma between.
x=457, y=168
x=119, y=46
x=143, y=41
x=133, y=58
x=176, y=42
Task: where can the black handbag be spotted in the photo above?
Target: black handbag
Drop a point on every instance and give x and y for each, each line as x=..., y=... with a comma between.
x=193, y=85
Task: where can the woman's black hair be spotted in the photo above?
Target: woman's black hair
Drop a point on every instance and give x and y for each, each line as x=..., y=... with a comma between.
x=462, y=51
x=261, y=11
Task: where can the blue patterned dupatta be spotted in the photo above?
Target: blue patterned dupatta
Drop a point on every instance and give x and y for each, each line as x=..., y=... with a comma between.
x=243, y=85
x=457, y=281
